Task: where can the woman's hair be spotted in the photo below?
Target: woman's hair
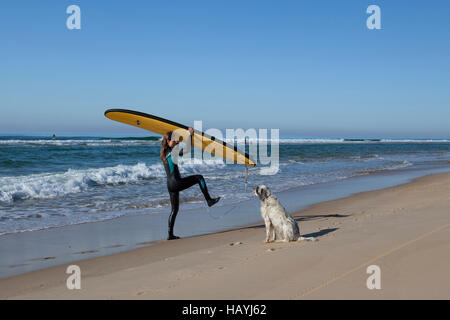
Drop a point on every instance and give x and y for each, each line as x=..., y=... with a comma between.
x=164, y=145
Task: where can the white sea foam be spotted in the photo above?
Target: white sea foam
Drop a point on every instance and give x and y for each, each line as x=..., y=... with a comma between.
x=52, y=185
x=335, y=141
x=403, y=164
x=80, y=142
x=131, y=142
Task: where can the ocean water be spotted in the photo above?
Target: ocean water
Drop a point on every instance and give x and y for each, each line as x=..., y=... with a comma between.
x=49, y=183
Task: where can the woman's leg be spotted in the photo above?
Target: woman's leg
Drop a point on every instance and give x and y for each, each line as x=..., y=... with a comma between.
x=175, y=186
x=175, y=202
x=188, y=182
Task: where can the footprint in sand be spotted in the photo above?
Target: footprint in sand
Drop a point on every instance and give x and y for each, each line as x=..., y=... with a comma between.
x=87, y=252
x=114, y=246
x=235, y=243
x=44, y=258
x=144, y=243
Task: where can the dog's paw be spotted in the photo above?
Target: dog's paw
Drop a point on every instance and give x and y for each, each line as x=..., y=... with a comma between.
x=307, y=239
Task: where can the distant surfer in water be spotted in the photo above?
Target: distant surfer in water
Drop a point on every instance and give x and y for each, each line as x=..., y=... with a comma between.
x=175, y=183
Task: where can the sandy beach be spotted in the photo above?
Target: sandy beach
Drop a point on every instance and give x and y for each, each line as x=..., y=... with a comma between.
x=404, y=230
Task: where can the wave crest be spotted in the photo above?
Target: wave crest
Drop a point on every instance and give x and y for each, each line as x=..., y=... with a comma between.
x=51, y=185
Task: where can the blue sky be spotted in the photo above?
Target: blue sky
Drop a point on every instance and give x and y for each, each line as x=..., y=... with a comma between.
x=309, y=68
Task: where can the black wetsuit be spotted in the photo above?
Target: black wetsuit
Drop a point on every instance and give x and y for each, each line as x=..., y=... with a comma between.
x=175, y=184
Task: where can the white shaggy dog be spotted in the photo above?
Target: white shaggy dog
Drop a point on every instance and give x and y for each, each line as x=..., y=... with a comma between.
x=280, y=226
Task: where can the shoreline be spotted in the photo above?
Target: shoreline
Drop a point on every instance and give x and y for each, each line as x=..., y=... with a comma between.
x=35, y=250
x=176, y=264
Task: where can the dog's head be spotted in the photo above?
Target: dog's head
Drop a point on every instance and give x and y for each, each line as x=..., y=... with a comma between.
x=262, y=192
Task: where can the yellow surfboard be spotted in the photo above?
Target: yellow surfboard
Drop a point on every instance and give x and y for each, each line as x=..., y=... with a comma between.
x=162, y=126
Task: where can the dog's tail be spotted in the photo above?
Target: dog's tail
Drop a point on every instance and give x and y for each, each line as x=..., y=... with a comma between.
x=306, y=239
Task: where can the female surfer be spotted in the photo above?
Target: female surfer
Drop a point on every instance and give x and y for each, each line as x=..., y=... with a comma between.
x=175, y=183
